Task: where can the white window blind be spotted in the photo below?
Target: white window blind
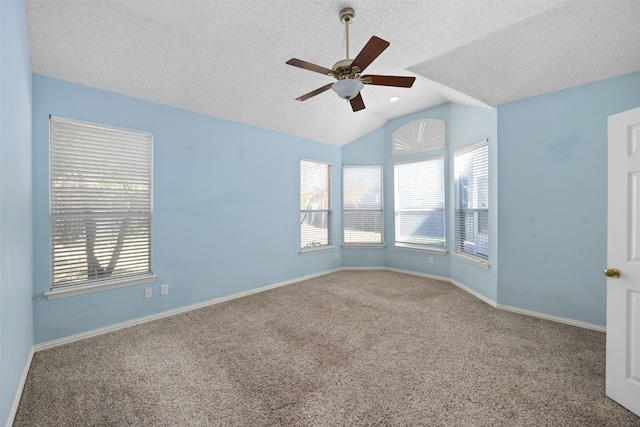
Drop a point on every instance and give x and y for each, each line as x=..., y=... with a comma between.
x=419, y=203
x=315, y=205
x=100, y=202
x=362, y=202
x=472, y=201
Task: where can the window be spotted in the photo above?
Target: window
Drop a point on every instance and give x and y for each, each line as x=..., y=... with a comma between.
x=362, y=201
x=419, y=204
x=315, y=205
x=100, y=204
x=472, y=201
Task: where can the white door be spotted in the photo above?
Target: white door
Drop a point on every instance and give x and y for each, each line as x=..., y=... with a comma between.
x=623, y=259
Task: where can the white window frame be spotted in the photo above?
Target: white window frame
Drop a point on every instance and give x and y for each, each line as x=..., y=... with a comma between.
x=310, y=214
x=406, y=243
x=467, y=244
x=376, y=212
x=118, y=262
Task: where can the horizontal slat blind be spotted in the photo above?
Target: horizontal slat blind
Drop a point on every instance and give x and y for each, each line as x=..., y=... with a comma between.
x=315, y=204
x=100, y=202
x=362, y=194
x=419, y=202
x=472, y=201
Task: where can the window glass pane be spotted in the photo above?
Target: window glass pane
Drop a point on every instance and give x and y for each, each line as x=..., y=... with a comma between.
x=472, y=201
x=362, y=193
x=363, y=226
x=473, y=235
x=315, y=204
x=419, y=200
x=422, y=228
x=314, y=185
x=315, y=228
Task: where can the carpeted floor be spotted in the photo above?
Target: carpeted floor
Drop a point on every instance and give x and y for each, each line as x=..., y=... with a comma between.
x=350, y=348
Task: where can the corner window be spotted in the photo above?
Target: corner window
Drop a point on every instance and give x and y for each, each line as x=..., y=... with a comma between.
x=419, y=204
x=472, y=201
x=100, y=204
x=362, y=202
x=315, y=205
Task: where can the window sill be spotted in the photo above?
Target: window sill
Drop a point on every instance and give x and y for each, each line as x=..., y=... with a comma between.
x=420, y=248
x=308, y=251
x=363, y=245
x=483, y=263
x=103, y=285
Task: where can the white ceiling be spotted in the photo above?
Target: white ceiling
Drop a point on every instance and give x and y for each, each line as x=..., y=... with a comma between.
x=226, y=58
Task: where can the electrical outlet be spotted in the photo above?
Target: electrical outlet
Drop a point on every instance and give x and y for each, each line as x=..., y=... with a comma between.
x=430, y=260
x=164, y=289
x=148, y=293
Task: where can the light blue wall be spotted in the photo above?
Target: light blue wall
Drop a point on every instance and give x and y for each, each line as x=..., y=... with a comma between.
x=225, y=210
x=553, y=198
x=16, y=326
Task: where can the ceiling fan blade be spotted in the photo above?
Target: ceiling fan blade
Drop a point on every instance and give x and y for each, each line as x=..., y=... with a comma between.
x=374, y=47
x=357, y=103
x=397, y=81
x=314, y=92
x=311, y=67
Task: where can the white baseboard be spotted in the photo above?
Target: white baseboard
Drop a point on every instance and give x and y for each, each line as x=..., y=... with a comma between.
x=414, y=273
x=23, y=380
x=553, y=318
x=453, y=282
x=478, y=295
x=140, y=320
x=492, y=303
x=94, y=332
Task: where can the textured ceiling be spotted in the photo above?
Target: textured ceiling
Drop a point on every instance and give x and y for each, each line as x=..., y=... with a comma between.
x=227, y=58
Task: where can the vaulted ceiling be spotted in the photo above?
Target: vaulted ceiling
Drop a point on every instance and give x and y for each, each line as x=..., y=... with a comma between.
x=226, y=58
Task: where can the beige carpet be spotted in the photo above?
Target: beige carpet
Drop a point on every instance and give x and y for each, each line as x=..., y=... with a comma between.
x=349, y=348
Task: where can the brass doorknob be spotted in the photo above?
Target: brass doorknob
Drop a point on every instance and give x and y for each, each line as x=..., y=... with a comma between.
x=612, y=272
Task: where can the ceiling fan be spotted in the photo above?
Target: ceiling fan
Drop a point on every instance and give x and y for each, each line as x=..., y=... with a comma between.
x=348, y=71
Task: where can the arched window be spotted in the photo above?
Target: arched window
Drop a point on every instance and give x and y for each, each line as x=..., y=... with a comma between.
x=419, y=135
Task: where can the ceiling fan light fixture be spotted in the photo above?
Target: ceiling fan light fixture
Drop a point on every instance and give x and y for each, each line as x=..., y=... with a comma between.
x=347, y=88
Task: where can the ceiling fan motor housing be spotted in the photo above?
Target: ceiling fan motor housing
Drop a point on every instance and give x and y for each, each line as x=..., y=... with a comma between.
x=342, y=68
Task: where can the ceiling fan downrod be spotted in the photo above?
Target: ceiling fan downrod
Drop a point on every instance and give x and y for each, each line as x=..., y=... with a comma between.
x=346, y=17
x=342, y=68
